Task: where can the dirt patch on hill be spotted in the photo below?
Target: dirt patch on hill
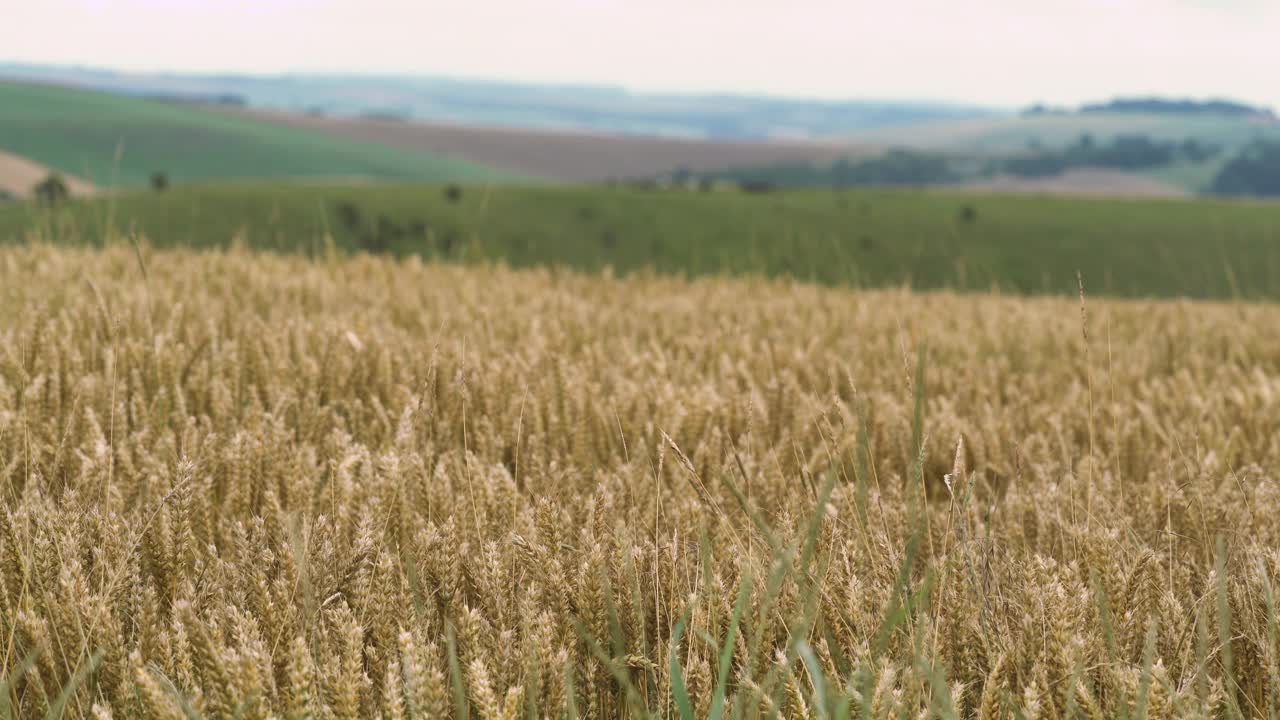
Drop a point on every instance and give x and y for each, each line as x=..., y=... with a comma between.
x=1085, y=181
x=18, y=175
x=570, y=156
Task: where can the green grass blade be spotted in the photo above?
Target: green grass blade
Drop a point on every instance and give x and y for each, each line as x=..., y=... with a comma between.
x=726, y=652
x=1268, y=596
x=570, y=693
x=614, y=667
x=815, y=522
x=898, y=609
x=1224, y=629
x=1104, y=616
x=1144, y=684
x=10, y=681
x=183, y=703
x=862, y=466
x=460, y=706
x=816, y=677
x=679, y=691
x=917, y=417
x=82, y=674
x=944, y=705
x=618, y=643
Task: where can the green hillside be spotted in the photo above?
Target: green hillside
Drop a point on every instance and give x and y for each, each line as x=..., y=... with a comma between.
x=1194, y=248
x=101, y=137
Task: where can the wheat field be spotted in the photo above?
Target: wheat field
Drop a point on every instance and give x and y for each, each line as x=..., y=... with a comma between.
x=249, y=485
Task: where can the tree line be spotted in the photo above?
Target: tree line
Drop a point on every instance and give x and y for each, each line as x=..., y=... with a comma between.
x=1253, y=170
x=1123, y=152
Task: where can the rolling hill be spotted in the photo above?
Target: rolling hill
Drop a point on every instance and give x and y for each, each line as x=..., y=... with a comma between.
x=111, y=139
x=78, y=132
x=116, y=140
x=488, y=103
x=562, y=155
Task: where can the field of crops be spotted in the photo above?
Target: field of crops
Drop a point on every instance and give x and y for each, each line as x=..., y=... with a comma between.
x=1142, y=248
x=117, y=141
x=257, y=485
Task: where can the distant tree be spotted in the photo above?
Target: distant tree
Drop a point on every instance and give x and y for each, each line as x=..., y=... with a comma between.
x=453, y=193
x=349, y=216
x=968, y=214
x=1124, y=152
x=1196, y=151
x=1254, y=171
x=756, y=186
x=159, y=181
x=1043, y=109
x=51, y=191
x=1179, y=107
x=896, y=167
x=1127, y=152
x=388, y=230
x=384, y=235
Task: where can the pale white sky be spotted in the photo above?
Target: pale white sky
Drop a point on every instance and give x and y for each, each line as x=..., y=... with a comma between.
x=1000, y=52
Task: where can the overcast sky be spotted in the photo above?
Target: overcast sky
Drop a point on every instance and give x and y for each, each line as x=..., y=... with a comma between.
x=996, y=52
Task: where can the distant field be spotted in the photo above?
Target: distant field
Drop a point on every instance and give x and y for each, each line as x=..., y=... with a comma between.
x=110, y=139
x=18, y=175
x=1014, y=134
x=566, y=156
x=1031, y=244
x=1195, y=177
x=1087, y=181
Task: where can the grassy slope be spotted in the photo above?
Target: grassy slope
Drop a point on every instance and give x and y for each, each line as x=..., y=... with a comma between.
x=79, y=131
x=1195, y=248
x=1196, y=177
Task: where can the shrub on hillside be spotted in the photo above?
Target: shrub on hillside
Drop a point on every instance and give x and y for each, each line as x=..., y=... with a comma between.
x=52, y=190
x=348, y=215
